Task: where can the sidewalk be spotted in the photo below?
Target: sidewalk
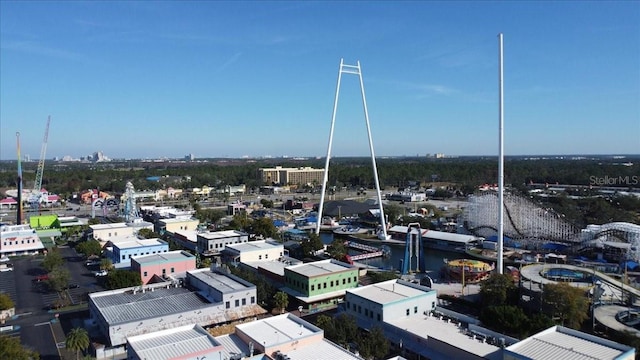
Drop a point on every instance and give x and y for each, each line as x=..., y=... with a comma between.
x=60, y=338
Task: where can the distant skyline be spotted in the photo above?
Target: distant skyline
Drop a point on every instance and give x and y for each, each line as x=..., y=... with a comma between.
x=219, y=79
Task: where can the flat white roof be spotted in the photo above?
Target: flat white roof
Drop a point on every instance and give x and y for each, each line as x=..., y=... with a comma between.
x=319, y=268
x=278, y=329
x=213, y=235
x=321, y=350
x=218, y=281
x=255, y=246
x=178, y=220
x=170, y=256
x=191, y=235
x=108, y=226
x=452, y=237
x=432, y=327
x=559, y=342
x=172, y=343
x=390, y=291
x=134, y=243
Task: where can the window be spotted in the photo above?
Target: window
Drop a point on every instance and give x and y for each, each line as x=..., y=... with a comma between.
x=123, y=257
x=407, y=312
x=325, y=286
x=174, y=270
x=378, y=317
x=433, y=304
x=227, y=305
x=266, y=256
x=164, y=271
x=355, y=279
x=366, y=312
x=244, y=301
x=144, y=274
x=349, y=280
x=237, y=302
x=253, y=299
x=259, y=257
x=331, y=283
x=344, y=281
x=313, y=287
x=415, y=309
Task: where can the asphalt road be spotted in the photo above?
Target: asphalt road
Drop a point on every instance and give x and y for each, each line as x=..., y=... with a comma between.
x=38, y=328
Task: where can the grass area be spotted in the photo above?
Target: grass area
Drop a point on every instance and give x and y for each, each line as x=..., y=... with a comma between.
x=71, y=308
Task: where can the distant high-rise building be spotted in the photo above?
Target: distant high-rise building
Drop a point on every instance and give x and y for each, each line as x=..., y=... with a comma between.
x=291, y=176
x=190, y=157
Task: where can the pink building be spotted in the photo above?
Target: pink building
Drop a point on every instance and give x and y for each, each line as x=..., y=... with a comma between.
x=169, y=264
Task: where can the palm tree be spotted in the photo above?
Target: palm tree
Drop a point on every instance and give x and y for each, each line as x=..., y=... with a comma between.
x=77, y=339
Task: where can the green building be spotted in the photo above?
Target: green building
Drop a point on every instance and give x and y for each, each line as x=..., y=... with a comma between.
x=320, y=284
x=47, y=227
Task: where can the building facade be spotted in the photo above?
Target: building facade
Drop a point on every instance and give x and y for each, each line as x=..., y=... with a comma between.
x=176, y=224
x=19, y=240
x=291, y=176
x=165, y=264
x=213, y=242
x=262, y=250
x=108, y=232
x=122, y=252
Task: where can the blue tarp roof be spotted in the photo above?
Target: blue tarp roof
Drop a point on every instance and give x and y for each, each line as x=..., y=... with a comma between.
x=630, y=265
x=494, y=238
x=554, y=246
x=279, y=223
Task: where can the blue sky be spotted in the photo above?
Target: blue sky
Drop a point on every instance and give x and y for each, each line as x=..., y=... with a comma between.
x=230, y=79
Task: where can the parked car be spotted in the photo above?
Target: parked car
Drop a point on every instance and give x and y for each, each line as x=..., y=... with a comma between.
x=44, y=277
x=93, y=262
x=4, y=258
x=101, y=273
x=72, y=286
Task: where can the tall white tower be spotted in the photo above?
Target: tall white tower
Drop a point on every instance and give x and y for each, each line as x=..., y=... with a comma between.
x=356, y=70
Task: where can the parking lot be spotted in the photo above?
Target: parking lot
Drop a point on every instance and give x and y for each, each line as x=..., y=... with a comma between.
x=39, y=328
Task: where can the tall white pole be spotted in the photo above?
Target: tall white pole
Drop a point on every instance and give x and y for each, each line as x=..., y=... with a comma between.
x=326, y=166
x=373, y=157
x=501, y=160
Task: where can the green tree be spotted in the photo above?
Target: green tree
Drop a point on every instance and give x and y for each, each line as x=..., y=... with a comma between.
x=266, y=203
x=346, y=329
x=380, y=276
x=118, y=279
x=10, y=348
x=264, y=227
x=5, y=302
x=77, y=340
x=94, y=221
x=89, y=247
x=498, y=289
x=148, y=233
x=106, y=264
x=281, y=300
x=566, y=303
x=507, y=319
x=59, y=278
x=52, y=260
x=374, y=345
x=311, y=245
x=205, y=263
x=336, y=249
x=240, y=221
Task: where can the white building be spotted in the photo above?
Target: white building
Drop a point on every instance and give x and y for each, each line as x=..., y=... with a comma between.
x=213, y=242
x=185, y=342
x=219, y=298
x=389, y=300
x=19, y=240
x=255, y=251
x=563, y=343
x=107, y=232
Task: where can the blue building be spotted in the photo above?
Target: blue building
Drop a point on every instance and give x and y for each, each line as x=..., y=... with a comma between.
x=123, y=251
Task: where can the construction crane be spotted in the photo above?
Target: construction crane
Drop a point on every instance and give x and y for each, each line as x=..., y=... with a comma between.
x=36, y=195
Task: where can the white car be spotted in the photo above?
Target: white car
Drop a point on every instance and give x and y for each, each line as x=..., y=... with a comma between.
x=101, y=273
x=4, y=259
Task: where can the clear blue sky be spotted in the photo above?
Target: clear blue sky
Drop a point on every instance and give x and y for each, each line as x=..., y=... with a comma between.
x=228, y=79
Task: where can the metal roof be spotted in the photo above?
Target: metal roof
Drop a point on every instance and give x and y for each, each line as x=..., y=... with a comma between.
x=213, y=235
x=321, y=350
x=171, y=256
x=278, y=329
x=134, y=243
x=389, y=291
x=172, y=343
x=233, y=345
x=447, y=236
x=255, y=246
x=218, y=281
x=319, y=268
x=563, y=343
x=124, y=307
